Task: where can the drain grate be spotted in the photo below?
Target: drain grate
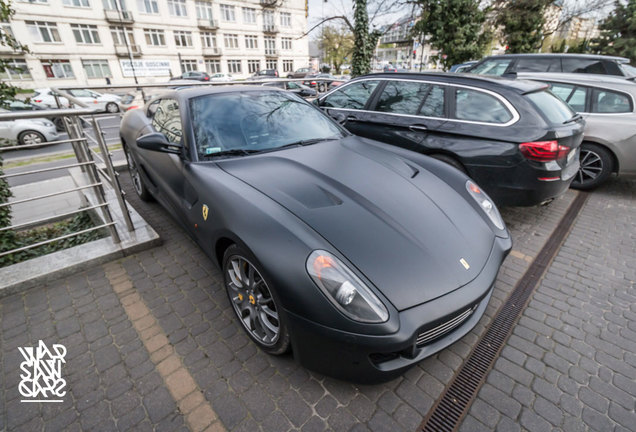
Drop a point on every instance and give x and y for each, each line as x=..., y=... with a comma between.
x=455, y=401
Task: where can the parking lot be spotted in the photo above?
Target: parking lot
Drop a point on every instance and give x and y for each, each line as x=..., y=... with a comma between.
x=153, y=343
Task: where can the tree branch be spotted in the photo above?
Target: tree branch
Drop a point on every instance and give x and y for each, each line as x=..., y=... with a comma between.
x=324, y=20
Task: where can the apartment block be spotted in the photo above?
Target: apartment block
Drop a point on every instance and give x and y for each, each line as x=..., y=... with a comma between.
x=87, y=41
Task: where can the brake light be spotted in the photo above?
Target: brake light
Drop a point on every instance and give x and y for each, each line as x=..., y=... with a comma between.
x=313, y=83
x=37, y=100
x=544, y=151
x=132, y=107
x=206, y=78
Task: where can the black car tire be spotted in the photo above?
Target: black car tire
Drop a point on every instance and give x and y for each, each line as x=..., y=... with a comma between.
x=112, y=107
x=450, y=161
x=59, y=124
x=29, y=137
x=597, y=164
x=257, y=304
x=137, y=180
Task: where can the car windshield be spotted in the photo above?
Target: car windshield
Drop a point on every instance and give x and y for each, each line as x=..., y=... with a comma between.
x=491, y=67
x=628, y=69
x=256, y=121
x=552, y=107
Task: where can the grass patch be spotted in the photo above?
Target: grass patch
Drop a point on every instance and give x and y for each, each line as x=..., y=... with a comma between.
x=23, y=238
x=53, y=157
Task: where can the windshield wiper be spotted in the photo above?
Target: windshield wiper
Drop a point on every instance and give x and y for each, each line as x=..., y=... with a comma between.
x=574, y=118
x=305, y=142
x=232, y=152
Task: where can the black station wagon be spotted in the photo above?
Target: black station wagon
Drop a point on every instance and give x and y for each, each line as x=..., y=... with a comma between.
x=513, y=137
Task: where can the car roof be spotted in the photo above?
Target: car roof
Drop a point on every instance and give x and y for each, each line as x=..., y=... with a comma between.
x=571, y=55
x=593, y=80
x=517, y=85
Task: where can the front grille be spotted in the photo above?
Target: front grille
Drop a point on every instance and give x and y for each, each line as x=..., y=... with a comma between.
x=445, y=327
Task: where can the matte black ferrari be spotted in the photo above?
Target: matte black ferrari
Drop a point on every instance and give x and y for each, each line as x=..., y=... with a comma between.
x=360, y=257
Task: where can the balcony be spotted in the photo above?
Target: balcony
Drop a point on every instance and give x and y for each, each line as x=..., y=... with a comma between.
x=270, y=28
x=272, y=53
x=114, y=16
x=208, y=24
x=122, y=50
x=269, y=3
x=212, y=51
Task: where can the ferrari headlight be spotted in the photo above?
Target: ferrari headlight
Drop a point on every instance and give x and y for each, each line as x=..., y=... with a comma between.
x=345, y=290
x=485, y=203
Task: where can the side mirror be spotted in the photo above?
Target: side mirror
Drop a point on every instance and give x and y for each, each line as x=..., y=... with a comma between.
x=158, y=142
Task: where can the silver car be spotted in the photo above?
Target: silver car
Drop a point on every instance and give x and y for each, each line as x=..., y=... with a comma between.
x=607, y=104
x=27, y=131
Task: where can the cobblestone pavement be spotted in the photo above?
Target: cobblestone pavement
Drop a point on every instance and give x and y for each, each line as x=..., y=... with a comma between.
x=153, y=344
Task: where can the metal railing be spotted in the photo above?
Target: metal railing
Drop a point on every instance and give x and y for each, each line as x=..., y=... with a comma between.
x=99, y=176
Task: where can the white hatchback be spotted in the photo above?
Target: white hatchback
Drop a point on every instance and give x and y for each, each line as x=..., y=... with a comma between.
x=27, y=131
x=45, y=98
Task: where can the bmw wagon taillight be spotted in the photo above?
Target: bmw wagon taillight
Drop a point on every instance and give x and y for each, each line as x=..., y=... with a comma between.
x=544, y=151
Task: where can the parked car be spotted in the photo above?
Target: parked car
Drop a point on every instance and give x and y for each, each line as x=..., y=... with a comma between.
x=514, y=138
x=390, y=68
x=45, y=98
x=361, y=257
x=18, y=105
x=301, y=73
x=509, y=64
x=462, y=67
x=607, y=105
x=264, y=74
x=193, y=75
x=294, y=87
x=27, y=131
x=221, y=76
x=319, y=81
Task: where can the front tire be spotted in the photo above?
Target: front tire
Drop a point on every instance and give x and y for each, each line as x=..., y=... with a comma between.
x=597, y=164
x=253, y=301
x=138, y=182
x=112, y=107
x=31, y=137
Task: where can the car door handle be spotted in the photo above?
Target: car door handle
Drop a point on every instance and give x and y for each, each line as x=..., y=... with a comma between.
x=418, y=128
x=352, y=118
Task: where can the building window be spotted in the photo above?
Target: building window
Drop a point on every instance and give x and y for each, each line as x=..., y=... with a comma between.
x=6, y=27
x=183, y=38
x=77, y=3
x=253, y=66
x=16, y=70
x=270, y=45
x=33, y=1
x=120, y=34
x=57, y=69
x=43, y=31
x=177, y=8
x=234, y=66
x=155, y=37
x=204, y=10
x=230, y=41
x=96, y=68
x=251, y=42
x=271, y=64
x=288, y=65
x=148, y=6
x=188, y=66
x=114, y=5
x=85, y=34
x=249, y=15
x=208, y=40
x=268, y=19
x=286, y=44
x=285, y=19
x=213, y=66
x=228, y=13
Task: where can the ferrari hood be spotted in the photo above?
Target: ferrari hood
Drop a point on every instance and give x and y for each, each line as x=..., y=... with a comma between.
x=410, y=233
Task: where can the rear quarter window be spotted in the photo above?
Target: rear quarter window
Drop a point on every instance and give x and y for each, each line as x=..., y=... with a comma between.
x=610, y=102
x=475, y=105
x=553, y=109
x=582, y=65
x=538, y=65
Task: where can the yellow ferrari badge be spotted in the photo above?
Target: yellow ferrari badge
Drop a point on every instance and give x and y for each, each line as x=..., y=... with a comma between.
x=205, y=212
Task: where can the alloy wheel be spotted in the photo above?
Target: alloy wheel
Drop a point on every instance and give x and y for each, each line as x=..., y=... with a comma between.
x=112, y=108
x=591, y=166
x=30, y=138
x=252, y=300
x=134, y=172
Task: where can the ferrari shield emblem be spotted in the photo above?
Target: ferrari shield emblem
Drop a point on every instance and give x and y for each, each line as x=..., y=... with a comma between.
x=205, y=212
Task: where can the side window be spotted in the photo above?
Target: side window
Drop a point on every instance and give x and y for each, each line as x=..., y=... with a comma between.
x=166, y=120
x=410, y=97
x=574, y=96
x=292, y=86
x=491, y=67
x=605, y=101
x=538, y=65
x=80, y=93
x=478, y=106
x=352, y=96
x=581, y=65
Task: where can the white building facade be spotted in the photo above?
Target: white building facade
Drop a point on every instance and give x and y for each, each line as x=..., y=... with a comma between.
x=86, y=41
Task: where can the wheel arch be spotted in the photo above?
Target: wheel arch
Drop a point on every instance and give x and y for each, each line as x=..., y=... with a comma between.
x=615, y=162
